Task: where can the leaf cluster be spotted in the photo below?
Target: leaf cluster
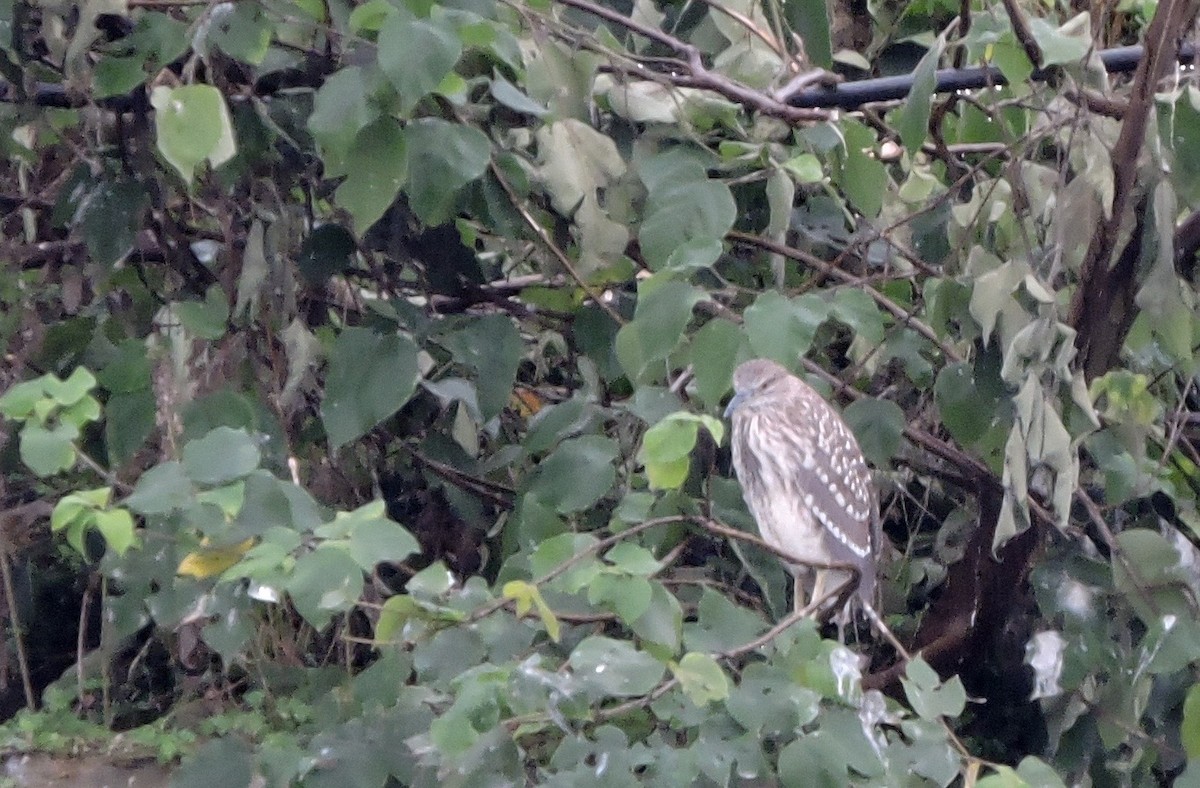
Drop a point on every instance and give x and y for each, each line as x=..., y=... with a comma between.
x=398, y=333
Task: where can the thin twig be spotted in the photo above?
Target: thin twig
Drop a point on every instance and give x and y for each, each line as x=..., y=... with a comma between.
x=546, y=240
x=901, y=314
x=748, y=23
x=698, y=75
x=14, y=618
x=591, y=550
x=1110, y=540
x=81, y=635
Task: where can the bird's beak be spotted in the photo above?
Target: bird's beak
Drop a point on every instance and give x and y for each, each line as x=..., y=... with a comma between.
x=733, y=403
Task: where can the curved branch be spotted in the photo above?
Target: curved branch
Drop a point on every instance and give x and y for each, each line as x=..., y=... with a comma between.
x=698, y=75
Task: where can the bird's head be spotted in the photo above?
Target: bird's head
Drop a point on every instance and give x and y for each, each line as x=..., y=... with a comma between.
x=753, y=378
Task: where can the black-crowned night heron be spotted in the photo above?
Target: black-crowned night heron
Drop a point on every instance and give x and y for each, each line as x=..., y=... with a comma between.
x=804, y=479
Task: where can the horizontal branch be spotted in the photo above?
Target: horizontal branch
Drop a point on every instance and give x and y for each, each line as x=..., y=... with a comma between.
x=851, y=95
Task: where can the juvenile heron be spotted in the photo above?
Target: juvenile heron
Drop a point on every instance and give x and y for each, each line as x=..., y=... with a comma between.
x=804, y=479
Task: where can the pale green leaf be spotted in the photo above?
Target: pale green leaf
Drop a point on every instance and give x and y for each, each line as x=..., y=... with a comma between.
x=193, y=126
x=701, y=678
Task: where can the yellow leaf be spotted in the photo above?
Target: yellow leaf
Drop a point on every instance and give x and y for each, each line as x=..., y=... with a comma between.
x=526, y=402
x=527, y=596
x=207, y=562
x=520, y=592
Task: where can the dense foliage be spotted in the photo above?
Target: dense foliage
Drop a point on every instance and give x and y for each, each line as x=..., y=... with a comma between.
x=366, y=361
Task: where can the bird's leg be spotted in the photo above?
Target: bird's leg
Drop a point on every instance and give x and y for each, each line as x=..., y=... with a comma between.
x=799, y=578
x=818, y=589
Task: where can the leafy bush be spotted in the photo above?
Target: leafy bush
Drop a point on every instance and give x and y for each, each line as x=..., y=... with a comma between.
x=398, y=335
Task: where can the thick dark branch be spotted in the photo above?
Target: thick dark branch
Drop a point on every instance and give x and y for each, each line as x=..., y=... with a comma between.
x=1102, y=310
x=847, y=95
x=851, y=95
x=1020, y=26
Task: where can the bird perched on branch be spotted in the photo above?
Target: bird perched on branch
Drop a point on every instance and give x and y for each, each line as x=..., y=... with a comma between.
x=806, y=482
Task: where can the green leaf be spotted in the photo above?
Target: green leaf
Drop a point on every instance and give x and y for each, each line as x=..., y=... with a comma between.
x=1034, y=771
x=929, y=696
x=78, y=512
x=663, y=311
x=1189, y=730
x=721, y=625
x=1013, y=62
x=912, y=121
x=860, y=176
x=325, y=582
x=860, y=312
x=963, y=409
x=810, y=20
x=492, y=346
x=129, y=418
x=628, y=597
x=242, y=31
x=208, y=319
x=128, y=370
x=193, y=126
x=512, y=97
x=221, y=456
x=327, y=251
x=117, y=528
x=110, y=216
x=376, y=167
x=633, y=559
x=574, y=161
x=73, y=389
x=666, y=446
x=1178, y=115
x=226, y=761
x=714, y=351
x=878, y=424
x=379, y=540
x=1159, y=572
x=394, y=614
x=370, y=16
x=162, y=489
x=370, y=377
x=527, y=595
x=701, y=678
x=416, y=55
x=340, y=111
x=553, y=552
x=19, y=401
x=687, y=215
x=1069, y=43
x=156, y=40
x=614, y=667
x=443, y=157
x=48, y=451
x=576, y=474
x=806, y=167
x=661, y=626
x=768, y=701
x=813, y=760
x=782, y=329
